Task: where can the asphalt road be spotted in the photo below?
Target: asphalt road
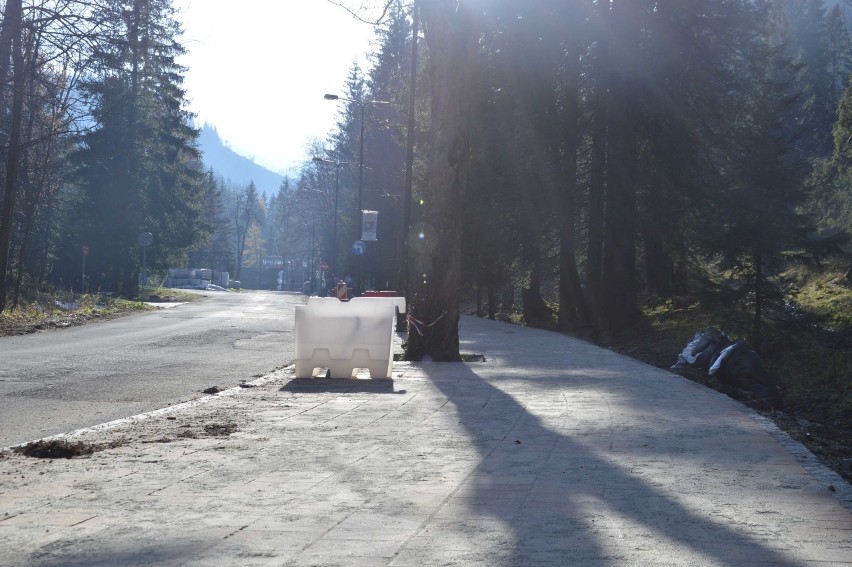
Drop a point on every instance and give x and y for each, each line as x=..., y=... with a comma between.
x=58, y=381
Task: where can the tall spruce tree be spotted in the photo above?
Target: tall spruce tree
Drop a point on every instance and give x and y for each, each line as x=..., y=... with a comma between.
x=384, y=150
x=840, y=53
x=759, y=216
x=280, y=219
x=530, y=50
x=139, y=167
x=831, y=202
x=620, y=308
x=215, y=250
x=808, y=46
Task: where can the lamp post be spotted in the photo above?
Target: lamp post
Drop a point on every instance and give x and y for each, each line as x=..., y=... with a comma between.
x=362, y=104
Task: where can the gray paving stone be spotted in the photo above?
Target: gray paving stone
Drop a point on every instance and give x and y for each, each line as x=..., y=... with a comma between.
x=553, y=452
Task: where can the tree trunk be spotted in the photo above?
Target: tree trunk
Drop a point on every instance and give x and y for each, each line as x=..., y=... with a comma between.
x=13, y=19
x=536, y=311
x=597, y=196
x=8, y=30
x=757, y=322
x=620, y=301
x=492, y=302
x=573, y=310
x=32, y=189
x=452, y=45
x=597, y=181
x=22, y=251
x=130, y=281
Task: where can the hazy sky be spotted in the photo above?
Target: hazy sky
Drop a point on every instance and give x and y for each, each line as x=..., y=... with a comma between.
x=258, y=69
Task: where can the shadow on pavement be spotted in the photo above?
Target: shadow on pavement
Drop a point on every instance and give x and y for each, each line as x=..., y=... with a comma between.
x=560, y=497
x=126, y=555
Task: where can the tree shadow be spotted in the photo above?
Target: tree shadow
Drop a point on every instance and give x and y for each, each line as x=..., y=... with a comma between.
x=127, y=554
x=566, y=499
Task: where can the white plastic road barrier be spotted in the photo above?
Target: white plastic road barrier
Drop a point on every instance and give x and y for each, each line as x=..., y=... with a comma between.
x=346, y=336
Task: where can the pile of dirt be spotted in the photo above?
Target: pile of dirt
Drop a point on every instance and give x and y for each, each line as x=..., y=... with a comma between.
x=60, y=449
x=219, y=429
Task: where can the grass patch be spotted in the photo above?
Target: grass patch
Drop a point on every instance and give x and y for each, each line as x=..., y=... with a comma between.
x=168, y=295
x=60, y=310
x=827, y=296
x=812, y=364
x=63, y=310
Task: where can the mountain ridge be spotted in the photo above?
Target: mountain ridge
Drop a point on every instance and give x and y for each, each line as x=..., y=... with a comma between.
x=233, y=167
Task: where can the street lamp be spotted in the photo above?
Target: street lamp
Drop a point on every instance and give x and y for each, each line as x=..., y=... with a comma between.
x=362, y=104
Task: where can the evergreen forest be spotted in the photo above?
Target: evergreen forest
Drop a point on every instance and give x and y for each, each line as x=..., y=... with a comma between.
x=575, y=165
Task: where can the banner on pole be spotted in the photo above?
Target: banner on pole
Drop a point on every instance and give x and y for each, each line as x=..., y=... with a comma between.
x=369, y=222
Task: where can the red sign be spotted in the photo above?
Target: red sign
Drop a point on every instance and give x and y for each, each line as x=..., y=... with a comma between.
x=342, y=291
x=324, y=266
x=85, y=250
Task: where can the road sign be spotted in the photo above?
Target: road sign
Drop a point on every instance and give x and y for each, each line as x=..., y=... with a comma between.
x=145, y=239
x=324, y=266
x=359, y=247
x=85, y=248
x=369, y=221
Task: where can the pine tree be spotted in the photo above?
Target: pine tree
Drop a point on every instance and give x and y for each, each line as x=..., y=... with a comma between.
x=139, y=167
x=759, y=216
x=840, y=53
x=831, y=202
x=215, y=251
x=384, y=150
x=280, y=220
x=808, y=46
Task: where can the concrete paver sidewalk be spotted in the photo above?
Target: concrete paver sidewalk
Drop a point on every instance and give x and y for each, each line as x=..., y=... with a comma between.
x=552, y=452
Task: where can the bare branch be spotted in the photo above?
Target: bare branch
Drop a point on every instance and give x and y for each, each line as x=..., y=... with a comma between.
x=356, y=13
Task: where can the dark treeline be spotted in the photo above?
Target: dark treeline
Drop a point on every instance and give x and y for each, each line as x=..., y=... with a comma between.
x=96, y=143
x=606, y=155
x=581, y=160
x=576, y=160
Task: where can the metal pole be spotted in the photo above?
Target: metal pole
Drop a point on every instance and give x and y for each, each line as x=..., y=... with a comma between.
x=311, y=257
x=334, y=241
x=360, y=198
x=361, y=171
x=144, y=249
x=409, y=166
x=362, y=104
